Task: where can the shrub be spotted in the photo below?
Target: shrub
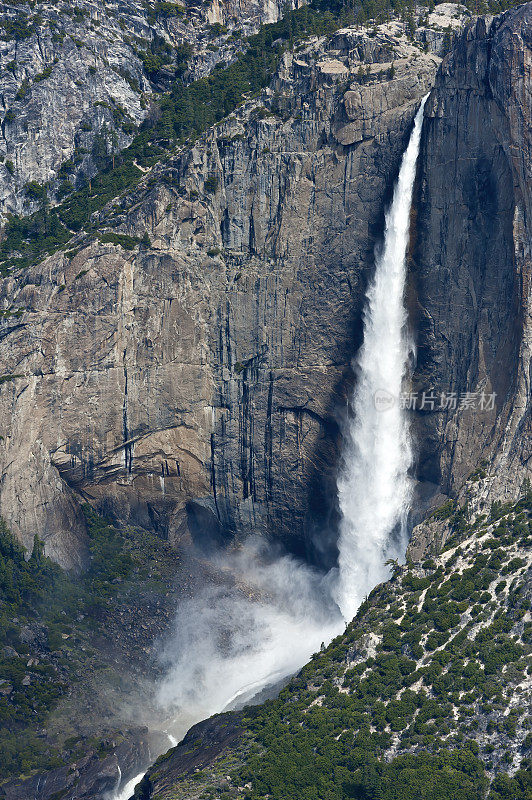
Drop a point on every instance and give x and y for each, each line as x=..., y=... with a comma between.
x=17, y=28
x=119, y=239
x=444, y=511
x=44, y=74
x=211, y=184
x=34, y=191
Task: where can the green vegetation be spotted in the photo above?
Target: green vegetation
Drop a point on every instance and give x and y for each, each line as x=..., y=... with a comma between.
x=305, y=750
x=156, y=56
x=211, y=184
x=47, y=71
x=122, y=240
x=8, y=378
x=22, y=589
x=405, y=722
x=164, y=9
x=48, y=622
x=444, y=511
x=17, y=27
x=34, y=191
x=27, y=239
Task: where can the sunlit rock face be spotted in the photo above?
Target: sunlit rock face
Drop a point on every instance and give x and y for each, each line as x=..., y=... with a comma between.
x=75, y=82
x=194, y=385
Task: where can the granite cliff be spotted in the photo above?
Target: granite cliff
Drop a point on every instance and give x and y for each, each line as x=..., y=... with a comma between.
x=473, y=237
x=193, y=383
x=76, y=81
x=470, y=277
x=181, y=363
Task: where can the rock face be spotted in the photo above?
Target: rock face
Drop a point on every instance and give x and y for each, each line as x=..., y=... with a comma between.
x=95, y=775
x=193, y=385
x=75, y=82
x=471, y=255
x=199, y=749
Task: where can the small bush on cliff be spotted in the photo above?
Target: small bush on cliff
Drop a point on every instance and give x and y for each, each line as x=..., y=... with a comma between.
x=17, y=28
x=120, y=239
x=35, y=191
x=211, y=184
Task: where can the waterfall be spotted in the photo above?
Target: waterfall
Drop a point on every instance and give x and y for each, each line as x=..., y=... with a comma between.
x=374, y=488
x=127, y=790
x=269, y=640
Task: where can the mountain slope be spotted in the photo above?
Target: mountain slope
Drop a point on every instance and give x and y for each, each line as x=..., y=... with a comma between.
x=426, y=694
x=76, y=81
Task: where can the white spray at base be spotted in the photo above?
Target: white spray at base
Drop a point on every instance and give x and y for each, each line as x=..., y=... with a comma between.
x=127, y=790
x=227, y=645
x=374, y=488
x=232, y=641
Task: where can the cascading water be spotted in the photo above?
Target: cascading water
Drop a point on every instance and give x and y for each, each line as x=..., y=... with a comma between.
x=374, y=488
x=127, y=790
x=266, y=641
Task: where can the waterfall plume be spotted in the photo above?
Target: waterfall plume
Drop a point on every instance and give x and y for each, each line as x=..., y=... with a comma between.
x=228, y=646
x=374, y=488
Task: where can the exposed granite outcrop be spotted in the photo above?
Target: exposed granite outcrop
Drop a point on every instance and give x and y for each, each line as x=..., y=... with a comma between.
x=471, y=256
x=193, y=385
x=75, y=85
x=202, y=745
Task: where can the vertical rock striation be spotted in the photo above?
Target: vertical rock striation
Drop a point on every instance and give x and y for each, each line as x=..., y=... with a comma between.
x=192, y=385
x=472, y=268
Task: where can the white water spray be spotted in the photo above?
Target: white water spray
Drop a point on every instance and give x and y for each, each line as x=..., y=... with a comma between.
x=127, y=790
x=374, y=488
x=228, y=646
x=231, y=642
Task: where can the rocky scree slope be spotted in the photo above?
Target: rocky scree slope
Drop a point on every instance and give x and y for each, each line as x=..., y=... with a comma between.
x=76, y=81
x=183, y=368
x=426, y=694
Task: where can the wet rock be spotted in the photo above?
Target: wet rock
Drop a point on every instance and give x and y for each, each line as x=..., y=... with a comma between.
x=92, y=777
x=200, y=747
